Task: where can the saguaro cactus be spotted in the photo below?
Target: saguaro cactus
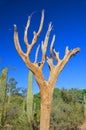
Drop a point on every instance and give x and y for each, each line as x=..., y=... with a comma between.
x=46, y=87
x=3, y=83
x=85, y=107
x=30, y=99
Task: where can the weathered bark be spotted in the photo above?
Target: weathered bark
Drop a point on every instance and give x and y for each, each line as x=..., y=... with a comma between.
x=45, y=116
x=46, y=87
x=45, y=110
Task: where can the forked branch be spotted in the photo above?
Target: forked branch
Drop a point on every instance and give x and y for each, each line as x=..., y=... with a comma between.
x=34, y=67
x=61, y=63
x=35, y=37
x=25, y=56
x=68, y=55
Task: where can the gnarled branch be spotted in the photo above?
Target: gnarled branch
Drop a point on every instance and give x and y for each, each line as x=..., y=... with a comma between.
x=36, y=68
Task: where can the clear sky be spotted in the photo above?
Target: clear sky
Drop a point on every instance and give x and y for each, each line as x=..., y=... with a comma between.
x=69, y=25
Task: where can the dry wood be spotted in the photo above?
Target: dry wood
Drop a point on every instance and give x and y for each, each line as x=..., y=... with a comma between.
x=46, y=87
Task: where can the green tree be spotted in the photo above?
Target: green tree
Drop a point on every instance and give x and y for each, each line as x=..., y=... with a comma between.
x=66, y=113
x=11, y=88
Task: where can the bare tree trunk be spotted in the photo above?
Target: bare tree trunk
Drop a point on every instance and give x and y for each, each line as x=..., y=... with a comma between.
x=45, y=116
x=45, y=110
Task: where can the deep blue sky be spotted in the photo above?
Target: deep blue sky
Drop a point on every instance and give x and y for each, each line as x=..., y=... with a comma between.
x=69, y=25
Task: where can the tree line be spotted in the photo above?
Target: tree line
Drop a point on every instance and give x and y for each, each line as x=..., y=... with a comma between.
x=20, y=108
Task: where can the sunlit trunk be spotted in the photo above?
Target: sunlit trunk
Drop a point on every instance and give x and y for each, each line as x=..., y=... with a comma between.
x=45, y=111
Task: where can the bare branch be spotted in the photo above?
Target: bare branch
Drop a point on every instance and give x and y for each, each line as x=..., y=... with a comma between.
x=76, y=50
x=39, y=30
x=70, y=53
x=47, y=35
x=36, y=56
x=44, y=45
x=66, y=58
x=41, y=23
x=52, y=46
x=16, y=41
x=35, y=37
x=66, y=50
x=49, y=61
x=57, y=56
x=25, y=56
x=59, y=67
x=26, y=31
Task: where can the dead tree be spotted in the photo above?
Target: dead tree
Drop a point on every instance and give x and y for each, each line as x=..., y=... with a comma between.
x=46, y=87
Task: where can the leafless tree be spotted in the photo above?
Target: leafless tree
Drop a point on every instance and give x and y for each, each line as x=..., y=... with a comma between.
x=46, y=87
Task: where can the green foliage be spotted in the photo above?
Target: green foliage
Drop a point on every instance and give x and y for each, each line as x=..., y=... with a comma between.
x=67, y=112
x=21, y=111
x=37, y=100
x=11, y=88
x=69, y=96
x=14, y=111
